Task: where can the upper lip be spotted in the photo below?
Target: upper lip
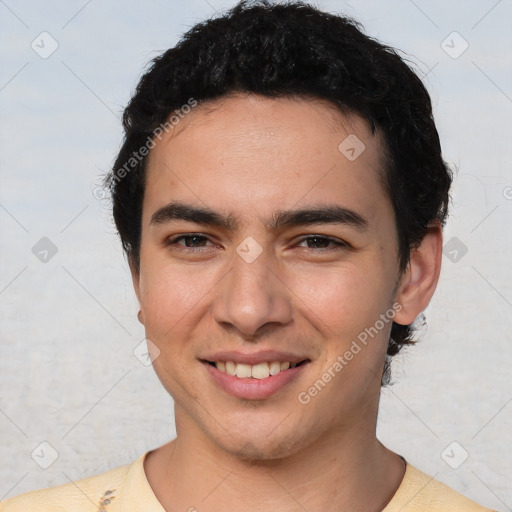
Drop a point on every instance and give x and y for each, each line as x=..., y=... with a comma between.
x=262, y=356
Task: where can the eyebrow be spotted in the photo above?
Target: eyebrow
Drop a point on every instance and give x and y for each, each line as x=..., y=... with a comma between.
x=317, y=214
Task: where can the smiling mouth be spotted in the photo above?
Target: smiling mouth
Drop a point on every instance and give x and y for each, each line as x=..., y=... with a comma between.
x=254, y=371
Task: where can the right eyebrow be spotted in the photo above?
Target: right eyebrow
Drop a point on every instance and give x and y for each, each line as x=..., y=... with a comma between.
x=198, y=214
x=312, y=215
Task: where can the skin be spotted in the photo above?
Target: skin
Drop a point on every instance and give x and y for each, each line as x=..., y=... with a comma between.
x=249, y=156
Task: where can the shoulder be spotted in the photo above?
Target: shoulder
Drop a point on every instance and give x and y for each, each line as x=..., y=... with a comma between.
x=87, y=494
x=419, y=492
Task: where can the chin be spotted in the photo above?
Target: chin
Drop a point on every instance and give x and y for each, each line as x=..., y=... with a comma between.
x=260, y=448
x=252, y=452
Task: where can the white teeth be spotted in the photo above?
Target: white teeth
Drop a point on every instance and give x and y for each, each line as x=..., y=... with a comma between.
x=260, y=371
x=275, y=367
x=243, y=371
x=230, y=368
x=256, y=371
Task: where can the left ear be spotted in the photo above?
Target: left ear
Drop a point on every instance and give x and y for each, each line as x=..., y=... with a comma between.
x=419, y=280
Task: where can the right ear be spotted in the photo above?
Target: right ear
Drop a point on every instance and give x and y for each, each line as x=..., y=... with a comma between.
x=134, y=270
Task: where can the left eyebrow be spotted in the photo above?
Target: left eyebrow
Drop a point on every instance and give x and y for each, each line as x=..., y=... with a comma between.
x=325, y=214
x=317, y=214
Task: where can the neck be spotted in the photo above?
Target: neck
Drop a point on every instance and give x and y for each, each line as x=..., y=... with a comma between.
x=349, y=468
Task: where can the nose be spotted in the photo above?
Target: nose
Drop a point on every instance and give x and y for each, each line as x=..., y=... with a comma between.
x=251, y=296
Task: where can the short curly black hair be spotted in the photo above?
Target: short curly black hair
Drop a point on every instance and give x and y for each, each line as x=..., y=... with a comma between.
x=293, y=49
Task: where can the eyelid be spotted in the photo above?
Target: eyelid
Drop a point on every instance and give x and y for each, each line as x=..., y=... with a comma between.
x=339, y=243
x=174, y=238
x=326, y=237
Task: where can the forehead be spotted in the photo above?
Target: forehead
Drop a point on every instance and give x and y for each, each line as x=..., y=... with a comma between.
x=253, y=153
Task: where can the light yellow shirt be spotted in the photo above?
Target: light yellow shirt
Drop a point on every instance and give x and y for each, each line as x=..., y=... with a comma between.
x=126, y=489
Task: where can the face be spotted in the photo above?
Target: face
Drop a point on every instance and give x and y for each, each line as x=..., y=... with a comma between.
x=265, y=244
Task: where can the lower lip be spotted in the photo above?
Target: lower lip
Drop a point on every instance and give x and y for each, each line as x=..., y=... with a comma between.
x=253, y=389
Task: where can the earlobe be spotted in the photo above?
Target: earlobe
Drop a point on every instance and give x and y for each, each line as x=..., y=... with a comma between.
x=420, y=279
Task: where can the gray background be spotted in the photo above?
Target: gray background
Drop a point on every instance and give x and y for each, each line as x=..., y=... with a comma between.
x=68, y=373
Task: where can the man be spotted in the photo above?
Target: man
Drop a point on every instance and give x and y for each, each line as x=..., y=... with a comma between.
x=280, y=196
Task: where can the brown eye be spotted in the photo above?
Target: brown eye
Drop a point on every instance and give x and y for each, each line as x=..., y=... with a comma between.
x=191, y=241
x=323, y=242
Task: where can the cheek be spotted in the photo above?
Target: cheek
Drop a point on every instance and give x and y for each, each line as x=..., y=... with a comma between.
x=340, y=302
x=345, y=307
x=172, y=298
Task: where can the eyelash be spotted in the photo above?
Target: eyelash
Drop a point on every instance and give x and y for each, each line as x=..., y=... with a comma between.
x=338, y=243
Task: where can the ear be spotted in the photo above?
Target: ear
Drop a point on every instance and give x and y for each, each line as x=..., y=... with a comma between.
x=419, y=280
x=134, y=270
